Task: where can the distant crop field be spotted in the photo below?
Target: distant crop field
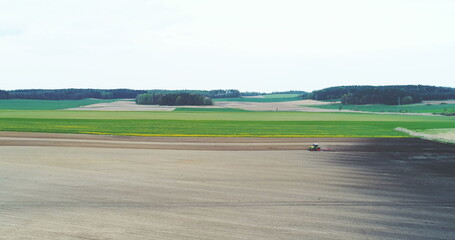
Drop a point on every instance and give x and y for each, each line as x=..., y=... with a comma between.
x=30, y=104
x=183, y=109
x=216, y=115
x=222, y=124
x=264, y=98
x=282, y=95
x=412, y=108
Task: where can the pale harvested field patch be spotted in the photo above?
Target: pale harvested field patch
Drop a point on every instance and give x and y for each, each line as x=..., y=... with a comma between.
x=252, y=106
x=56, y=186
x=442, y=135
x=439, y=102
x=130, y=106
x=259, y=96
x=276, y=106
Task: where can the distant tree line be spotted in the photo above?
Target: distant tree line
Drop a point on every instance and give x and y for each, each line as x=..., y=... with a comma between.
x=245, y=94
x=76, y=94
x=219, y=93
x=4, y=94
x=390, y=95
x=71, y=94
x=173, y=99
x=291, y=92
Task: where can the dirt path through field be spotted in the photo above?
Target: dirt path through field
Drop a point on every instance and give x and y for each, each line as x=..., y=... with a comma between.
x=214, y=143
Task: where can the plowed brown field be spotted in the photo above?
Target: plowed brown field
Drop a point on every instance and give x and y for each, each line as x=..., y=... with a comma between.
x=56, y=186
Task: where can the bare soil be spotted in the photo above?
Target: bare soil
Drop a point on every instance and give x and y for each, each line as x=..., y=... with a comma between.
x=446, y=135
x=276, y=106
x=252, y=106
x=259, y=96
x=130, y=106
x=64, y=186
x=439, y=102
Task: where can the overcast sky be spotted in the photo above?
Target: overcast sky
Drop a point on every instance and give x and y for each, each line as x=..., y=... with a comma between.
x=250, y=45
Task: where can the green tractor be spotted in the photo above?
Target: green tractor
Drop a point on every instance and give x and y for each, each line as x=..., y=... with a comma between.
x=315, y=147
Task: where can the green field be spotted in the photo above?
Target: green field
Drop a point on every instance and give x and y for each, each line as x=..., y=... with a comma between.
x=412, y=108
x=264, y=98
x=210, y=109
x=282, y=95
x=27, y=104
x=219, y=123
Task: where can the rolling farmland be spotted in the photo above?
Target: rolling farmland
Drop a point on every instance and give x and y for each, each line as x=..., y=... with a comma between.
x=412, y=108
x=28, y=104
x=223, y=173
x=227, y=120
x=219, y=123
x=263, y=98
